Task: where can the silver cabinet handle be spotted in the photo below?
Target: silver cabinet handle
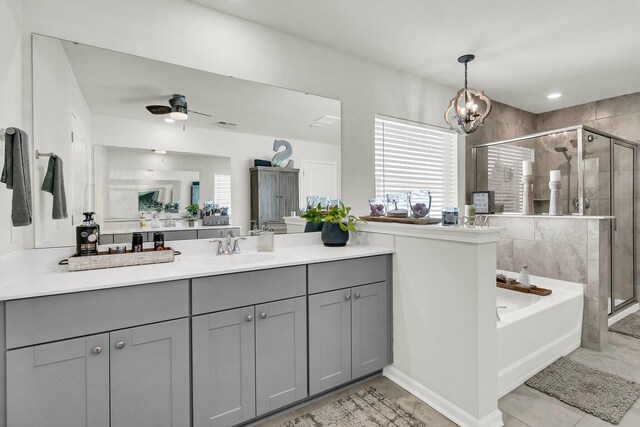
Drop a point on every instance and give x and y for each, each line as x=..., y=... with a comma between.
x=119, y=345
x=347, y=298
x=249, y=318
x=263, y=315
x=96, y=350
x=357, y=296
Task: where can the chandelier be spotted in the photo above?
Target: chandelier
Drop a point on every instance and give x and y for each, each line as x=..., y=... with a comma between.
x=468, y=109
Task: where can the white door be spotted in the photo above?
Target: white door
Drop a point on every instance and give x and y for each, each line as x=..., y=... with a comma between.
x=79, y=170
x=318, y=179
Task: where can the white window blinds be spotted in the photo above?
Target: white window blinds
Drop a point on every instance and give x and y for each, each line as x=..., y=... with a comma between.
x=414, y=156
x=505, y=169
x=222, y=191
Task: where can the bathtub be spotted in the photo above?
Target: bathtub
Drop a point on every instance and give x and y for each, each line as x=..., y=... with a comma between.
x=534, y=331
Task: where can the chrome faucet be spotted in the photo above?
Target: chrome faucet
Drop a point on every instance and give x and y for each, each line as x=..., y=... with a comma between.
x=497, y=315
x=232, y=244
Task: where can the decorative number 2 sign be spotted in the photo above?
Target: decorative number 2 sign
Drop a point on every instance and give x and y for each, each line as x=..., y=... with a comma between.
x=281, y=157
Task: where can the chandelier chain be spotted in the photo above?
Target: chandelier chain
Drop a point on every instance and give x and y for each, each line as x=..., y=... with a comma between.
x=465, y=76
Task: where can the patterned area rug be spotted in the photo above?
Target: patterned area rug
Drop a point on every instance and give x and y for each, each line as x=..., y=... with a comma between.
x=606, y=396
x=630, y=325
x=367, y=407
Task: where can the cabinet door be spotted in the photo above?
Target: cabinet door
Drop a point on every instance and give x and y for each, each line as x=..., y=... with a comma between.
x=329, y=340
x=65, y=383
x=369, y=320
x=224, y=368
x=281, y=353
x=268, y=197
x=150, y=375
x=288, y=193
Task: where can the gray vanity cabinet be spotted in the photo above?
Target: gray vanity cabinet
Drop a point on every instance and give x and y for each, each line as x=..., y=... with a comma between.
x=348, y=335
x=281, y=354
x=248, y=361
x=65, y=383
x=150, y=375
x=224, y=368
x=133, y=377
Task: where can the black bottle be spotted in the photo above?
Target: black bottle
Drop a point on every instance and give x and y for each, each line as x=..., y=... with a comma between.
x=137, y=242
x=87, y=236
x=158, y=241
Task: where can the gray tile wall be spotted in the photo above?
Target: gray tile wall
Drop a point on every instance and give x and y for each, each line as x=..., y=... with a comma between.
x=575, y=250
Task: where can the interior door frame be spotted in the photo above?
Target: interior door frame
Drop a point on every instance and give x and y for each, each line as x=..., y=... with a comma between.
x=302, y=196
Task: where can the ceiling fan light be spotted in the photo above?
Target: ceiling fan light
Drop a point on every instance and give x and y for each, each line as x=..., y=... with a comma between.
x=178, y=112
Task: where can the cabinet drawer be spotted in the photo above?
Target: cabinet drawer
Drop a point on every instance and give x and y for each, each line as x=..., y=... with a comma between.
x=218, y=293
x=329, y=276
x=180, y=235
x=43, y=319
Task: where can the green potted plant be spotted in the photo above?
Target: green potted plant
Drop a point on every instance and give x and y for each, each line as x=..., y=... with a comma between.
x=337, y=224
x=193, y=212
x=314, y=217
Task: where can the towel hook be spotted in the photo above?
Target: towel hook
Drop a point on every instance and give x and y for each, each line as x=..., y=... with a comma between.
x=4, y=132
x=39, y=154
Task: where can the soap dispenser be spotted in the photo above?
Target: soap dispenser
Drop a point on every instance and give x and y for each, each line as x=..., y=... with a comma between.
x=87, y=236
x=523, y=277
x=265, y=240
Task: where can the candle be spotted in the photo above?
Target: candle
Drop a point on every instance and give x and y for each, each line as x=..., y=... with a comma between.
x=554, y=175
x=470, y=211
x=527, y=167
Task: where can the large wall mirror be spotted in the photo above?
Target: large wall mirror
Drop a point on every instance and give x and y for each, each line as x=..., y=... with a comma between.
x=89, y=109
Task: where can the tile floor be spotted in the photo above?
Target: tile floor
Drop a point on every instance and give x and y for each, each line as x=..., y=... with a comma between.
x=523, y=407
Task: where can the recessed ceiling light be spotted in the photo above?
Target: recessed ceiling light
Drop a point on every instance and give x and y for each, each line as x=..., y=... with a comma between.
x=554, y=95
x=169, y=120
x=160, y=151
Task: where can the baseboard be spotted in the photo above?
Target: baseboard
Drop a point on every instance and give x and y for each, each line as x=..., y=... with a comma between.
x=624, y=313
x=439, y=403
x=517, y=373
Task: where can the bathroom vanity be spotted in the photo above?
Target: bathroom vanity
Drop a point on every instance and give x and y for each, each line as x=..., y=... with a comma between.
x=220, y=340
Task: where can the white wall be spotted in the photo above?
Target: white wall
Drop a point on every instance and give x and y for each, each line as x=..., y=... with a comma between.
x=240, y=148
x=57, y=95
x=11, y=239
x=220, y=43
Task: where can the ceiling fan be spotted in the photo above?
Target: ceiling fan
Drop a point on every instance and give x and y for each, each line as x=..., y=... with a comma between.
x=177, y=108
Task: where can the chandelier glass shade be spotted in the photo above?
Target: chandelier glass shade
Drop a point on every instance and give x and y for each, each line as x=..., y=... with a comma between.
x=468, y=109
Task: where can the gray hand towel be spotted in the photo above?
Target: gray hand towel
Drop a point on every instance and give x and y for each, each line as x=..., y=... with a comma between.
x=17, y=176
x=54, y=183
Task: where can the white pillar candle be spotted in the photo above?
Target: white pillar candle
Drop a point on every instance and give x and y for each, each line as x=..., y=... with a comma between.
x=554, y=175
x=470, y=211
x=527, y=167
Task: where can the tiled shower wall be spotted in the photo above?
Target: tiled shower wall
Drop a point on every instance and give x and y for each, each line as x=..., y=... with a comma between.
x=575, y=250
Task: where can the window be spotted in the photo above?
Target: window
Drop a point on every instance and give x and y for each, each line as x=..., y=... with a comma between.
x=415, y=156
x=505, y=169
x=222, y=191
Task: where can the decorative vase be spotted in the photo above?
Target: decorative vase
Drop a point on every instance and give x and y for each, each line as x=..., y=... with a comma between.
x=555, y=207
x=311, y=227
x=332, y=235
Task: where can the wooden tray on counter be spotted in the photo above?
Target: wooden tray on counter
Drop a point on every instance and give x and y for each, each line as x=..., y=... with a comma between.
x=128, y=259
x=537, y=291
x=421, y=221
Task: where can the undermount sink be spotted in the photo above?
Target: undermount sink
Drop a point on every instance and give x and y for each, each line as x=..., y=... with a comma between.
x=236, y=259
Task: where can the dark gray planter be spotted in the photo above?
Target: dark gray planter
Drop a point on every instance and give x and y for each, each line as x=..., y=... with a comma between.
x=332, y=235
x=311, y=227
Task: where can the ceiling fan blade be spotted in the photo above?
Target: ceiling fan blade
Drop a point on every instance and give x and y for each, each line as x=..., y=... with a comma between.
x=159, y=109
x=202, y=114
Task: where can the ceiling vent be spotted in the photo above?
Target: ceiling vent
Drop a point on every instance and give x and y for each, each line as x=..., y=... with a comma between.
x=226, y=125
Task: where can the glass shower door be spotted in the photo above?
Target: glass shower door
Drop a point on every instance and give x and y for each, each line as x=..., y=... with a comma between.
x=623, y=289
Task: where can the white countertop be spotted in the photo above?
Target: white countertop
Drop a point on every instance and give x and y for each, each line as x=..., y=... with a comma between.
x=518, y=215
x=35, y=272
x=104, y=230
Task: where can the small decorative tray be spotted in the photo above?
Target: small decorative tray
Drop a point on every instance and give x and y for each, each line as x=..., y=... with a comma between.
x=107, y=260
x=534, y=291
x=422, y=221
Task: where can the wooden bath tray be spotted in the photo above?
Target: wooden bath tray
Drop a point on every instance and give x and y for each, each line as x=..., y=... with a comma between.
x=537, y=291
x=421, y=221
x=107, y=260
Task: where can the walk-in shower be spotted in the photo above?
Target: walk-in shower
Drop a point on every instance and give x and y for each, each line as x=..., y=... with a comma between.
x=598, y=175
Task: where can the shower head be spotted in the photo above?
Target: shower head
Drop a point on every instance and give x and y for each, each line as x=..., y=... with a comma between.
x=563, y=150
